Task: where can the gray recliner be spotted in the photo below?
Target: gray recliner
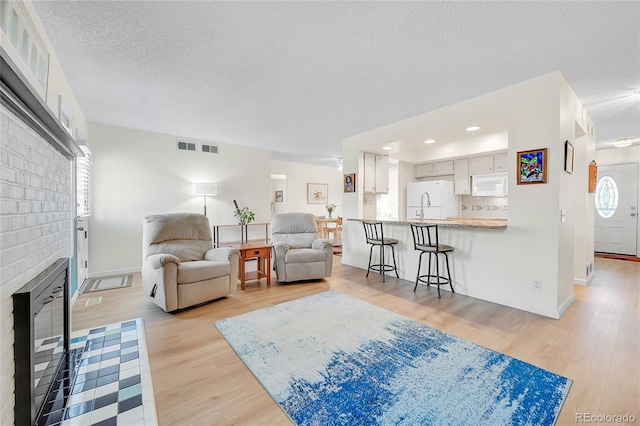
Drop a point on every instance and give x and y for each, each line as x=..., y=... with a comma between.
x=180, y=266
x=299, y=253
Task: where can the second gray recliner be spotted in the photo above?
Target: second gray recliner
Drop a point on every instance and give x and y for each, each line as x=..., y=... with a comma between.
x=299, y=253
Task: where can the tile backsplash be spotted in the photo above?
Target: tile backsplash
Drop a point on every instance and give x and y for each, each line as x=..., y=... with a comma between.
x=482, y=207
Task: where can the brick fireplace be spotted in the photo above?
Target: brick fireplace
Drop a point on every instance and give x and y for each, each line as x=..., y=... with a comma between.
x=36, y=200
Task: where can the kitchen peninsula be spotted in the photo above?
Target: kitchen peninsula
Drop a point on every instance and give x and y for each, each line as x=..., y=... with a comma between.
x=477, y=268
x=471, y=239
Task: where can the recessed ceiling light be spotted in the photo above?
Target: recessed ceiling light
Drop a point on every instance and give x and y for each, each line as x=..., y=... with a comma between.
x=387, y=148
x=430, y=141
x=472, y=128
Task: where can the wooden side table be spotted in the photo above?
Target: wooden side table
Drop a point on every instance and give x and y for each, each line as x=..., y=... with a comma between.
x=262, y=253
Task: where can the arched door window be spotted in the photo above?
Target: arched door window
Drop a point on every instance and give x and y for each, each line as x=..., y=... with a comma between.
x=606, y=197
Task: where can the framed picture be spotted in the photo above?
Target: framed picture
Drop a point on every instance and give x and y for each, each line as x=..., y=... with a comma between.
x=65, y=116
x=317, y=193
x=568, y=157
x=532, y=166
x=279, y=196
x=350, y=182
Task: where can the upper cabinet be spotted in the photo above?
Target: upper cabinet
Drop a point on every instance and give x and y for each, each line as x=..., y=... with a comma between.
x=500, y=163
x=423, y=170
x=382, y=174
x=481, y=165
x=488, y=164
x=461, y=182
x=376, y=173
x=440, y=168
x=443, y=168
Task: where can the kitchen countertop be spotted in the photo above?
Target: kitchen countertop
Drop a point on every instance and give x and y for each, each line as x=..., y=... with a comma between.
x=453, y=222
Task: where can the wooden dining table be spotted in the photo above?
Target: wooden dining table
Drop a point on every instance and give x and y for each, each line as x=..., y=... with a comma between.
x=323, y=227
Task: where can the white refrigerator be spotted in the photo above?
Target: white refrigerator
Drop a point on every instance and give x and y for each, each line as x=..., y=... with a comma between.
x=437, y=198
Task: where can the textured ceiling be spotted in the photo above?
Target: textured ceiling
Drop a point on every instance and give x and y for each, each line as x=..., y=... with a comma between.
x=298, y=77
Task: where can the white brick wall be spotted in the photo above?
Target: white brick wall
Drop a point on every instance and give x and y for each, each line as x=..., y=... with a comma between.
x=35, y=226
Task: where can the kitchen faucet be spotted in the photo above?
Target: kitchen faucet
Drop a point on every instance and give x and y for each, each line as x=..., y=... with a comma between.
x=422, y=203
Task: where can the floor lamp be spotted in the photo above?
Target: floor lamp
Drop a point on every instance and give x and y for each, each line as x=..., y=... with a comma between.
x=204, y=189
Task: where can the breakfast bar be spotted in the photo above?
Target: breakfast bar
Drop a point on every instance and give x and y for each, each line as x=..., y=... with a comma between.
x=475, y=267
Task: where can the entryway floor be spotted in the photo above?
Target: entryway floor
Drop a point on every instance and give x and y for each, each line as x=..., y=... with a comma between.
x=106, y=381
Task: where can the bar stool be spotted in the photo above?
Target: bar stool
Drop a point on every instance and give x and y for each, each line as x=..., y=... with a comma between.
x=375, y=236
x=425, y=239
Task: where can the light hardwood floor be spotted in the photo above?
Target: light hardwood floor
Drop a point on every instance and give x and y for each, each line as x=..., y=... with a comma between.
x=199, y=380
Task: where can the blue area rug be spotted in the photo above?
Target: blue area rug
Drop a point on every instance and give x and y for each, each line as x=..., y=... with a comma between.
x=331, y=359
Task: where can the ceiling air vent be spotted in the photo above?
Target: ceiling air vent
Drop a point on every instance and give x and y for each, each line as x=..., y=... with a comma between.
x=210, y=148
x=186, y=146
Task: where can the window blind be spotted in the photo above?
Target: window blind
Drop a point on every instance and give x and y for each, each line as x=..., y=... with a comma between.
x=84, y=183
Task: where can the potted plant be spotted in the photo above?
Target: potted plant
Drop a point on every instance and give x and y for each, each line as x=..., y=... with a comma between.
x=330, y=209
x=244, y=215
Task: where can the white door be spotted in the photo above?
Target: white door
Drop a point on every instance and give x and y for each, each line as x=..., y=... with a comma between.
x=279, y=191
x=83, y=250
x=616, y=204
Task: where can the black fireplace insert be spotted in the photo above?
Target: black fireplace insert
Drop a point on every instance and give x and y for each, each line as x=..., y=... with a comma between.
x=41, y=329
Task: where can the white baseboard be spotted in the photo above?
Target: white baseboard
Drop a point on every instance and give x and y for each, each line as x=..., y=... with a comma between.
x=521, y=305
x=585, y=281
x=516, y=304
x=114, y=272
x=565, y=305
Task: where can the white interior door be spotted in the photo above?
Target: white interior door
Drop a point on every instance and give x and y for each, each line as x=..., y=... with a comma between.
x=279, y=191
x=616, y=204
x=83, y=250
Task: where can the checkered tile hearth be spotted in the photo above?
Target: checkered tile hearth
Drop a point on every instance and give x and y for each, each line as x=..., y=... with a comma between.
x=107, y=380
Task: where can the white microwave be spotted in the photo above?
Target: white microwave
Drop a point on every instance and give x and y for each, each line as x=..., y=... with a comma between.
x=490, y=185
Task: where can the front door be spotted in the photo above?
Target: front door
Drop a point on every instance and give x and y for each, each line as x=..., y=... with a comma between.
x=616, y=204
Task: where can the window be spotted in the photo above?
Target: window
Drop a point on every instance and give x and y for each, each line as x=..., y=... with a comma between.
x=606, y=197
x=83, y=170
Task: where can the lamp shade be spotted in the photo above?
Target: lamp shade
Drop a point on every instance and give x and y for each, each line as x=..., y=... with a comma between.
x=202, y=188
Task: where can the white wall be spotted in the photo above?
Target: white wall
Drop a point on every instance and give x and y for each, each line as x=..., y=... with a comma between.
x=536, y=246
x=298, y=175
x=630, y=154
x=583, y=223
x=137, y=173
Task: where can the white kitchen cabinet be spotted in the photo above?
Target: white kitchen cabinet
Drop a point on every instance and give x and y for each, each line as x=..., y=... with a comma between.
x=440, y=168
x=500, y=163
x=369, y=180
x=461, y=179
x=488, y=164
x=481, y=165
x=376, y=173
x=382, y=174
x=443, y=168
x=423, y=170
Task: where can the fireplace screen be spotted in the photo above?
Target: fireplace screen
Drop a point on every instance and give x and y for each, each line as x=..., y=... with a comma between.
x=41, y=328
